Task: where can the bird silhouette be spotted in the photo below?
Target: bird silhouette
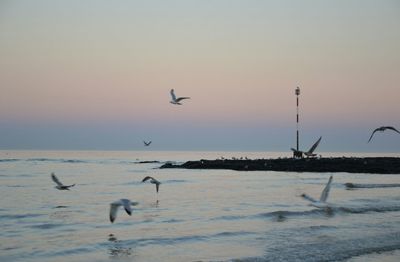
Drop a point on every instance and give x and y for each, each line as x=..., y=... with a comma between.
x=60, y=186
x=153, y=181
x=381, y=129
x=175, y=100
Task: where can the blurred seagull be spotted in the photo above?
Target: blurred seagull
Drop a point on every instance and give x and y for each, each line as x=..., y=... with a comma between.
x=153, y=181
x=146, y=143
x=381, y=129
x=126, y=203
x=321, y=203
x=60, y=186
x=310, y=152
x=175, y=100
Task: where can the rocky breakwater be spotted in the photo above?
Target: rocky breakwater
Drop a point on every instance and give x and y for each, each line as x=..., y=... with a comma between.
x=373, y=165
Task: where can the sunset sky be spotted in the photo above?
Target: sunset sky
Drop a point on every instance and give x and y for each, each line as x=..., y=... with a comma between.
x=96, y=74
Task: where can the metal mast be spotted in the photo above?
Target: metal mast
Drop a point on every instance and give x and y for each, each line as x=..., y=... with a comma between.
x=297, y=92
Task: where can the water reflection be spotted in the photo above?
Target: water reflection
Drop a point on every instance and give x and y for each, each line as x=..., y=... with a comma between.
x=117, y=249
x=61, y=214
x=156, y=204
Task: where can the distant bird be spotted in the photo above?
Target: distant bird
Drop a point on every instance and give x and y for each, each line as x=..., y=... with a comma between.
x=153, y=181
x=175, y=100
x=321, y=203
x=310, y=152
x=126, y=203
x=60, y=186
x=381, y=129
x=146, y=143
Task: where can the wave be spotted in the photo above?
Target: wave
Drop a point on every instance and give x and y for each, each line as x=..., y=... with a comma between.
x=175, y=181
x=336, y=250
x=10, y=160
x=366, y=209
x=19, y=216
x=46, y=226
x=352, y=185
x=56, y=160
x=43, y=160
x=176, y=240
x=61, y=207
x=283, y=215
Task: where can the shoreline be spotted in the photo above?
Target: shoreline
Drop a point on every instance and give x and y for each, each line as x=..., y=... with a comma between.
x=370, y=165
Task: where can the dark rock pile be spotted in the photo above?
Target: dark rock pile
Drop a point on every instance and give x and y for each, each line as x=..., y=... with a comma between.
x=375, y=165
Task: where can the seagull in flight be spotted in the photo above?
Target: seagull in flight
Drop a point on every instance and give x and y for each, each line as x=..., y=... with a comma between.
x=146, y=143
x=175, y=100
x=153, y=181
x=321, y=203
x=60, y=186
x=114, y=206
x=310, y=152
x=381, y=129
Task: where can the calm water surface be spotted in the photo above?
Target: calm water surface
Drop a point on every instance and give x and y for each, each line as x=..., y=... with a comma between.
x=198, y=215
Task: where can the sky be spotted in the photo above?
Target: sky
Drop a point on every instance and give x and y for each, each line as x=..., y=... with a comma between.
x=96, y=75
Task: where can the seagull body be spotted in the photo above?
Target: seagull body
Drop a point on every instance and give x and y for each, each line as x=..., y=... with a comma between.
x=310, y=152
x=175, y=100
x=146, y=143
x=321, y=203
x=381, y=129
x=60, y=186
x=153, y=181
x=114, y=206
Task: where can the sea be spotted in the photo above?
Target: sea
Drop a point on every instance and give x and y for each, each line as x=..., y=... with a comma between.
x=197, y=215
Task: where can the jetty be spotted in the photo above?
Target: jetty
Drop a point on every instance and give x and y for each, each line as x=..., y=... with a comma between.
x=371, y=165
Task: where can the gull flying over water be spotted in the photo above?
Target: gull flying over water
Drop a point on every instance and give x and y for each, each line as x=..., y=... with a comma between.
x=381, y=129
x=146, y=143
x=60, y=186
x=114, y=206
x=321, y=203
x=175, y=100
x=310, y=152
x=153, y=181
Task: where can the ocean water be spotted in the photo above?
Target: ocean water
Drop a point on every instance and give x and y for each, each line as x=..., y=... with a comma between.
x=198, y=215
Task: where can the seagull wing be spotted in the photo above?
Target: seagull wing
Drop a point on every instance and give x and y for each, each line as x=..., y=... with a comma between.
x=181, y=98
x=392, y=128
x=55, y=179
x=127, y=205
x=372, y=134
x=305, y=196
x=311, y=150
x=147, y=178
x=173, y=95
x=325, y=192
x=295, y=150
x=114, y=210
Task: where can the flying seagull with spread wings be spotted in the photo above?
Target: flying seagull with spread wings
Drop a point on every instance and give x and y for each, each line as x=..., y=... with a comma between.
x=114, y=206
x=175, y=100
x=321, y=203
x=146, y=143
x=153, y=181
x=60, y=186
x=310, y=152
x=381, y=129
